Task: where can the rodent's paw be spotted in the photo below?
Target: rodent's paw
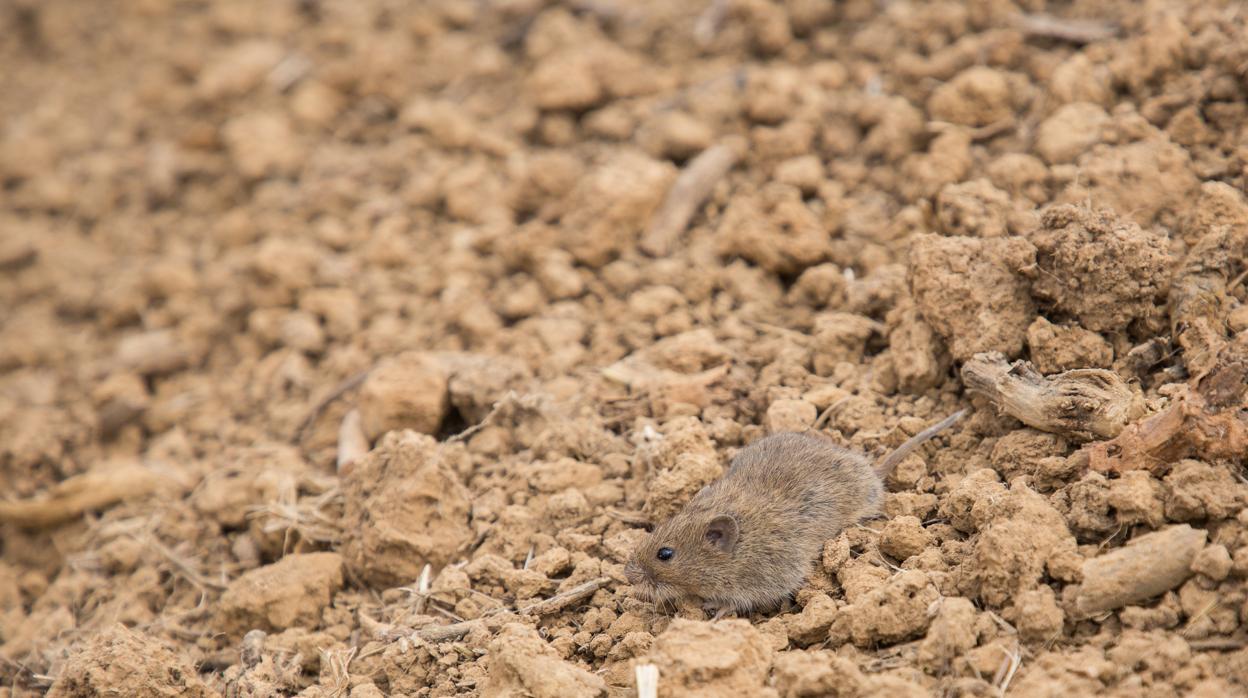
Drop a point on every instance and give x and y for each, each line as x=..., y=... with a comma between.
x=720, y=610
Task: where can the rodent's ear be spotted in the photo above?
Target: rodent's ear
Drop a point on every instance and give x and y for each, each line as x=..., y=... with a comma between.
x=722, y=532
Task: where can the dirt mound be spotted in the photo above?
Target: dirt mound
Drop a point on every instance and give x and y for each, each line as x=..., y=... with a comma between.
x=349, y=347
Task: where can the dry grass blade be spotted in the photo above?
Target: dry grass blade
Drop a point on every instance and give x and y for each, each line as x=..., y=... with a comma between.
x=1076, y=31
x=1191, y=622
x=509, y=401
x=352, y=442
x=337, y=664
x=305, y=517
x=554, y=604
x=183, y=565
x=647, y=680
x=346, y=386
x=1003, y=679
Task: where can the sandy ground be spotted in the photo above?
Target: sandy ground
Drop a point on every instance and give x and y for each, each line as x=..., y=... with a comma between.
x=347, y=347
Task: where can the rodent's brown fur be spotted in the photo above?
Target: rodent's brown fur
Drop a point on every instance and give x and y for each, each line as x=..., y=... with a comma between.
x=769, y=516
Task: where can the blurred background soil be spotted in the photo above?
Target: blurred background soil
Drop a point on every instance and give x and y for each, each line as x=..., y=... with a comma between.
x=242, y=243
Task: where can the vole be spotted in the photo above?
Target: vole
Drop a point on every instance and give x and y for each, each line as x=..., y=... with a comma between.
x=749, y=539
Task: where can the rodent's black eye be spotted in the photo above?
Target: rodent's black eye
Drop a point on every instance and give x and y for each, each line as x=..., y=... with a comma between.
x=665, y=554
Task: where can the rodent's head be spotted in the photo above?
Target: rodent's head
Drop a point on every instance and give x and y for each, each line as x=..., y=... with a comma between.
x=689, y=554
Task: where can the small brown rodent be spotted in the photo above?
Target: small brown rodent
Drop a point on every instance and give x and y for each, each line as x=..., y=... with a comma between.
x=749, y=539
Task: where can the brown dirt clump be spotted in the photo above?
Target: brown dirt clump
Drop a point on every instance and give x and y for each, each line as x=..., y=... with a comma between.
x=405, y=508
x=972, y=292
x=409, y=392
x=119, y=661
x=1104, y=272
x=699, y=659
x=1022, y=539
x=289, y=593
x=349, y=349
x=521, y=663
x=1057, y=348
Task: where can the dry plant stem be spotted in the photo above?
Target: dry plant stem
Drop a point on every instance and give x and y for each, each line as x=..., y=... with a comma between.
x=338, y=663
x=1191, y=622
x=1084, y=404
x=346, y=386
x=304, y=517
x=1186, y=428
x=192, y=575
x=1076, y=31
x=1204, y=419
x=983, y=133
x=352, y=443
x=1219, y=643
x=96, y=489
x=1197, y=320
x=632, y=518
x=545, y=607
x=1146, y=566
x=691, y=188
x=1016, y=660
x=422, y=588
x=508, y=400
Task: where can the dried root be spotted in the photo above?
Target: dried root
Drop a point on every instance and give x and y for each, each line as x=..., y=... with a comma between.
x=1149, y=565
x=1207, y=418
x=1083, y=404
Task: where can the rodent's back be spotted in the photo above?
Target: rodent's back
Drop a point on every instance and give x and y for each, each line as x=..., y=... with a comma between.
x=815, y=479
x=789, y=493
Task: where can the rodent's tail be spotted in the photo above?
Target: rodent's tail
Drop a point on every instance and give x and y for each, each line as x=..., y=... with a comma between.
x=891, y=460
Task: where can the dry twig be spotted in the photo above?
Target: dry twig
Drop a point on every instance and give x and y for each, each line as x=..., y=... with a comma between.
x=182, y=564
x=554, y=604
x=509, y=400
x=1075, y=31
x=1224, y=644
x=339, y=661
x=691, y=188
x=346, y=386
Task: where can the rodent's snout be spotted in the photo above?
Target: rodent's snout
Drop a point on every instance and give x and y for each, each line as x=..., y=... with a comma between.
x=643, y=587
x=633, y=572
